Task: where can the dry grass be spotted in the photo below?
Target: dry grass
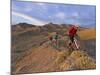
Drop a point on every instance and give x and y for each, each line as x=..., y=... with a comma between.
x=76, y=60
x=87, y=34
x=60, y=62
x=64, y=66
x=84, y=63
x=77, y=54
x=61, y=56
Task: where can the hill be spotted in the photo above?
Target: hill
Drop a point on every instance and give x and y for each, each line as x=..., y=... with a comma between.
x=47, y=59
x=88, y=40
x=31, y=52
x=88, y=34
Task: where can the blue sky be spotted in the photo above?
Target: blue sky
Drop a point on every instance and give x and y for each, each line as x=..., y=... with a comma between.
x=43, y=13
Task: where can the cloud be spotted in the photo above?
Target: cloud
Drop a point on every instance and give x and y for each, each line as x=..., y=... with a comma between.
x=60, y=15
x=33, y=20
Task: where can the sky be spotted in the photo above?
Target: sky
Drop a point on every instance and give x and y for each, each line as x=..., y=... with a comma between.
x=42, y=13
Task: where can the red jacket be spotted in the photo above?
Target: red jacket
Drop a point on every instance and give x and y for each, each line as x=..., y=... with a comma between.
x=72, y=31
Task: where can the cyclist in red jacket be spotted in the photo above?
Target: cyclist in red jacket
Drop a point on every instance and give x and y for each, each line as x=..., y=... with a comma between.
x=71, y=33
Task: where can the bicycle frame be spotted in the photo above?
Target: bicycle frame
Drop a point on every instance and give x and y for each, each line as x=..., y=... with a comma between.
x=76, y=43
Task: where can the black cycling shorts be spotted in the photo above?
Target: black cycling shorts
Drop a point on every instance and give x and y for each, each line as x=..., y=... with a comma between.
x=71, y=38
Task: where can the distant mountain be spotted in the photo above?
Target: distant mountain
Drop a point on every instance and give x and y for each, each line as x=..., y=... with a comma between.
x=49, y=26
x=90, y=26
x=22, y=26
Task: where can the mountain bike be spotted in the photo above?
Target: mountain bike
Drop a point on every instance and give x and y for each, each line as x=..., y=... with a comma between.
x=75, y=45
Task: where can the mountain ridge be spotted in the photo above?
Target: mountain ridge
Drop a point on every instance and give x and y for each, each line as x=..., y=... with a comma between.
x=31, y=42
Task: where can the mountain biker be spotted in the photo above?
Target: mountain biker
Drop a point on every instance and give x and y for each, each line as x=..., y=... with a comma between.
x=72, y=32
x=56, y=37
